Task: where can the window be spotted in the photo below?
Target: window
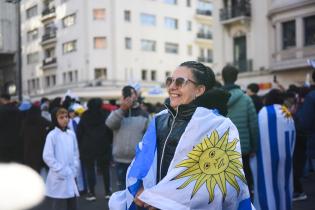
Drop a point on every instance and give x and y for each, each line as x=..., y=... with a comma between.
x=70, y=76
x=204, y=32
x=100, y=73
x=76, y=76
x=53, y=80
x=128, y=43
x=68, y=20
x=32, y=58
x=31, y=12
x=147, y=19
x=99, y=42
x=69, y=46
x=188, y=3
x=309, y=30
x=153, y=75
x=64, y=77
x=148, y=45
x=32, y=35
x=167, y=74
x=144, y=74
x=205, y=55
x=171, y=48
x=170, y=23
x=99, y=14
x=189, y=25
x=288, y=34
x=127, y=15
x=170, y=1
x=189, y=50
x=204, y=8
x=47, y=81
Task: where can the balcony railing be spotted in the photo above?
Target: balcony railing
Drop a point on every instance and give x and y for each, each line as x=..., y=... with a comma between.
x=204, y=12
x=240, y=10
x=244, y=65
x=202, y=35
x=49, y=61
x=205, y=60
x=48, y=11
x=49, y=35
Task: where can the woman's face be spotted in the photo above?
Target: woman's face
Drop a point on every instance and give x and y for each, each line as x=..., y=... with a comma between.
x=183, y=92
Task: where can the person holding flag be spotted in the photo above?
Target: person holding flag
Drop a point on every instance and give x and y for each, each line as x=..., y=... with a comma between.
x=189, y=157
x=272, y=165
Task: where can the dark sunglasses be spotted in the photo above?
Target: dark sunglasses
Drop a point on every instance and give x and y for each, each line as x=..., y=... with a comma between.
x=179, y=81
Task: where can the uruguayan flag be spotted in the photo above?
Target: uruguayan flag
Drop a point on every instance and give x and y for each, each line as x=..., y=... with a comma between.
x=206, y=171
x=272, y=166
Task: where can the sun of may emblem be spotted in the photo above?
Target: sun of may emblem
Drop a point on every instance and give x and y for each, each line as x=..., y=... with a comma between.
x=213, y=162
x=286, y=113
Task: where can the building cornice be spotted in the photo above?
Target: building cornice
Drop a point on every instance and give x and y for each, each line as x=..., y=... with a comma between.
x=289, y=7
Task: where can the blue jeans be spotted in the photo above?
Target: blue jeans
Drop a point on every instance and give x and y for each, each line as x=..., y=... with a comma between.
x=121, y=169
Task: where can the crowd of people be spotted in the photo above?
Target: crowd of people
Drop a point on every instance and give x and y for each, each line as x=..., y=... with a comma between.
x=210, y=134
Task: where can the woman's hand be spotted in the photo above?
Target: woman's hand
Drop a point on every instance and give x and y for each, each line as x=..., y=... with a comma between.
x=137, y=201
x=140, y=203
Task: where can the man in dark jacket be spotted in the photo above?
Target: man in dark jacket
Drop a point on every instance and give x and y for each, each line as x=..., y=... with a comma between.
x=241, y=111
x=252, y=90
x=10, y=124
x=306, y=119
x=95, y=139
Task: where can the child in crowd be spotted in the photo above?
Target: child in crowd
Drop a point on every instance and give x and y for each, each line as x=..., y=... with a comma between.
x=61, y=154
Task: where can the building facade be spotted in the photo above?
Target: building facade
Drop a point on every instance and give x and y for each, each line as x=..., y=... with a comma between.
x=80, y=45
x=265, y=39
x=8, y=46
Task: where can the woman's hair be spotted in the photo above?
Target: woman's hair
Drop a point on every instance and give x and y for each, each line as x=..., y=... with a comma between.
x=203, y=74
x=55, y=113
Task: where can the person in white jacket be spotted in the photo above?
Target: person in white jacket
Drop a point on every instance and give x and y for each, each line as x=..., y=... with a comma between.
x=61, y=154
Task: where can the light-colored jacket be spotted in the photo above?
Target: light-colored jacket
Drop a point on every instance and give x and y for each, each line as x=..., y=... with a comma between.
x=128, y=129
x=61, y=154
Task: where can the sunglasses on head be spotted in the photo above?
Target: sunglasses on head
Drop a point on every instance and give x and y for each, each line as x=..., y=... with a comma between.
x=179, y=81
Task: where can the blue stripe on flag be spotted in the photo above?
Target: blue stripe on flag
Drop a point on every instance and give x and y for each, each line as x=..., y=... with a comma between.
x=145, y=157
x=132, y=206
x=292, y=140
x=272, y=127
x=261, y=179
x=245, y=205
x=287, y=169
x=133, y=189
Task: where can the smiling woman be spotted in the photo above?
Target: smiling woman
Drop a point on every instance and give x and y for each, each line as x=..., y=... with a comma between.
x=189, y=157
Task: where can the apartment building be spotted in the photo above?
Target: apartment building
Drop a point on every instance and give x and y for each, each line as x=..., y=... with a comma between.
x=92, y=46
x=8, y=46
x=265, y=39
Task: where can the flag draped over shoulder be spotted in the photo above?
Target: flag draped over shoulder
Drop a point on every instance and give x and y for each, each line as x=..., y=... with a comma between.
x=206, y=171
x=272, y=166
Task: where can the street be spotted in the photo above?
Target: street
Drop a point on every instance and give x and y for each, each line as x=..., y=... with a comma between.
x=101, y=203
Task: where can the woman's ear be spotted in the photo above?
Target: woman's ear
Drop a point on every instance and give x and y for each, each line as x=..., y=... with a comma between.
x=200, y=90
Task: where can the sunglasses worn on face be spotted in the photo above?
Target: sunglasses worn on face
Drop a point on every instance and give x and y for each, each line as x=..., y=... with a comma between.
x=179, y=81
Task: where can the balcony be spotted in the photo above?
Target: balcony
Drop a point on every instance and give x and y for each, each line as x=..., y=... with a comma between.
x=48, y=13
x=49, y=37
x=50, y=62
x=244, y=65
x=202, y=35
x=240, y=12
x=204, y=12
x=205, y=60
